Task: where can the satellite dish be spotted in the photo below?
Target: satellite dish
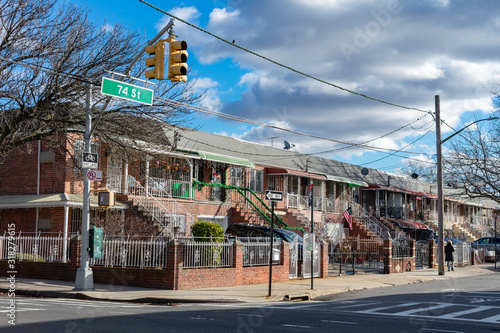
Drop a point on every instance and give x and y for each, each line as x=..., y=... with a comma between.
x=414, y=176
x=364, y=171
x=288, y=145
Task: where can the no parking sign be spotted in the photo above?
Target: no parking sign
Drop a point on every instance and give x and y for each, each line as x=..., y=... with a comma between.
x=93, y=175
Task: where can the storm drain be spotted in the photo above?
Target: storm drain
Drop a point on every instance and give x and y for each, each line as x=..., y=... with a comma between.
x=303, y=297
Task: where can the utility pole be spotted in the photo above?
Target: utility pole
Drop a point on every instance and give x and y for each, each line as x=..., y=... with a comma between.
x=311, y=237
x=440, y=188
x=84, y=275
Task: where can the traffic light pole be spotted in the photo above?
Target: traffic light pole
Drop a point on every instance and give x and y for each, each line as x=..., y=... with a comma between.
x=84, y=275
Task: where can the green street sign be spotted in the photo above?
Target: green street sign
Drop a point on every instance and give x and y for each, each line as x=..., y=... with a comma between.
x=127, y=91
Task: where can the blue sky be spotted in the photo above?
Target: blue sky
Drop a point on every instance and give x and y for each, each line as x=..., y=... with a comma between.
x=404, y=52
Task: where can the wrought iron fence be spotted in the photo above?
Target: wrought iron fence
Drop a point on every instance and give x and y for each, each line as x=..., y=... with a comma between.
x=207, y=254
x=354, y=255
x=401, y=248
x=256, y=251
x=35, y=248
x=128, y=252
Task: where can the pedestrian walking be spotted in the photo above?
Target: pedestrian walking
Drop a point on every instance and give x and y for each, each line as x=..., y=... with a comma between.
x=448, y=250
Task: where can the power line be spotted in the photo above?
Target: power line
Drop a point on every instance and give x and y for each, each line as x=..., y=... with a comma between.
x=253, y=122
x=280, y=64
x=371, y=140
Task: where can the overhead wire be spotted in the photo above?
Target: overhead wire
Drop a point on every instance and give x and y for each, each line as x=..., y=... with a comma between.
x=280, y=64
x=220, y=114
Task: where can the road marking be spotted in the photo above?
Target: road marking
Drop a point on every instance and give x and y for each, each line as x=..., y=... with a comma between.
x=296, y=326
x=389, y=307
x=339, y=322
x=356, y=305
x=492, y=319
x=412, y=311
x=250, y=315
x=464, y=312
x=22, y=310
x=436, y=330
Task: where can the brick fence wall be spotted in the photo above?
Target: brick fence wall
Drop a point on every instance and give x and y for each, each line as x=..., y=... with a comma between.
x=173, y=277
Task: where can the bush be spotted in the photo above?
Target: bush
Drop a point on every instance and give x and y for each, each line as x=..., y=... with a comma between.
x=207, y=229
x=202, y=232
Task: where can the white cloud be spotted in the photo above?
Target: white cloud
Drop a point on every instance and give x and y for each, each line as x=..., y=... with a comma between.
x=406, y=53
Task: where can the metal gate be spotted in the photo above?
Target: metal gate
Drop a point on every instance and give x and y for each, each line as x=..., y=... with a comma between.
x=307, y=247
x=294, y=259
x=422, y=254
x=358, y=255
x=401, y=250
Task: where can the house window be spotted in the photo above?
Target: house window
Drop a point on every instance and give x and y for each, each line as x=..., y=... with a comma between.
x=271, y=183
x=79, y=149
x=256, y=180
x=293, y=184
x=236, y=176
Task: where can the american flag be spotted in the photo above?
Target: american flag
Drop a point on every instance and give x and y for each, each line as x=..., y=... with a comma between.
x=348, y=216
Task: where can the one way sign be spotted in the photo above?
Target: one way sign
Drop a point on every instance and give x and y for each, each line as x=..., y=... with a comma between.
x=274, y=195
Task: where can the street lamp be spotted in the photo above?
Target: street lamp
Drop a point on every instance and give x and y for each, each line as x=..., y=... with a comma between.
x=439, y=158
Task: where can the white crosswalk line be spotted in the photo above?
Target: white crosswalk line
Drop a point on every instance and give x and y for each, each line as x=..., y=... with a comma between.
x=428, y=308
x=388, y=307
x=493, y=319
x=464, y=312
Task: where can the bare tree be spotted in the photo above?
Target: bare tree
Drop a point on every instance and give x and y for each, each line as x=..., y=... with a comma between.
x=475, y=161
x=49, y=54
x=424, y=170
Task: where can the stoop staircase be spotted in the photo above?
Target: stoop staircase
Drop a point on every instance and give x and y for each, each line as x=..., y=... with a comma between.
x=158, y=205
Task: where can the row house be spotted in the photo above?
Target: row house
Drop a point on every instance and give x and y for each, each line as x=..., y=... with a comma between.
x=220, y=179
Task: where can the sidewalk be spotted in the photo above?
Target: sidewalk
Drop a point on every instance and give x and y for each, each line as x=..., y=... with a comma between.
x=292, y=290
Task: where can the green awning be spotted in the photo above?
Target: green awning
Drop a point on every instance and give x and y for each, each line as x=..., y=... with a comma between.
x=351, y=182
x=50, y=200
x=226, y=159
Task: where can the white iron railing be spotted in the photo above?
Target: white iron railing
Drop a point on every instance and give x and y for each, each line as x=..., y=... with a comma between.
x=35, y=248
x=132, y=253
x=371, y=223
x=256, y=251
x=159, y=205
x=207, y=254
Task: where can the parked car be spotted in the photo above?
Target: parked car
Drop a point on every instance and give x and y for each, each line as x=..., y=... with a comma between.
x=446, y=239
x=253, y=230
x=488, y=244
x=245, y=230
x=283, y=234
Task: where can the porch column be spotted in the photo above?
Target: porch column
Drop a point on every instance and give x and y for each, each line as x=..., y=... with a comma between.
x=298, y=193
x=146, y=180
x=377, y=203
x=65, y=239
x=405, y=207
x=323, y=196
x=125, y=176
x=285, y=191
x=386, y=203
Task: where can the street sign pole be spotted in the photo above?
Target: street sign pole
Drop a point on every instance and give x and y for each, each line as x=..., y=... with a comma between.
x=271, y=251
x=311, y=186
x=272, y=196
x=84, y=275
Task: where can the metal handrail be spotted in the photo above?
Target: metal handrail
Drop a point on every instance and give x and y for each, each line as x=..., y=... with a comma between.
x=258, y=210
x=372, y=224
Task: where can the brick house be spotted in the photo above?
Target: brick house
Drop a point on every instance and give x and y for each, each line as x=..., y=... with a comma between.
x=221, y=179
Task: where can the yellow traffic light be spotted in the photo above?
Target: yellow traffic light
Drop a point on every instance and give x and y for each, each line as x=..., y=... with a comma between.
x=157, y=61
x=177, y=57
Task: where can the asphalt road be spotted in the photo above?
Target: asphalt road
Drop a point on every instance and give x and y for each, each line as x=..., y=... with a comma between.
x=459, y=305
